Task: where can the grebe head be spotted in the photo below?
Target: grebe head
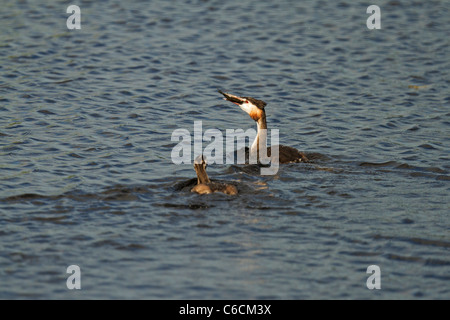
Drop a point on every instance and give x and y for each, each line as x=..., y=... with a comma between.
x=200, y=168
x=200, y=162
x=254, y=107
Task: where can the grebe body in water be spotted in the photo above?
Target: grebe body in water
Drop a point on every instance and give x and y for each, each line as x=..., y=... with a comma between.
x=205, y=185
x=255, y=109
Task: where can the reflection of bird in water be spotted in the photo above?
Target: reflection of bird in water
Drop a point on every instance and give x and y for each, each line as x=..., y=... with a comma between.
x=206, y=186
x=255, y=109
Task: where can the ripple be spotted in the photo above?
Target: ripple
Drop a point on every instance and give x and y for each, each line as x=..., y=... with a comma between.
x=427, y=146
x=46, y=112
x=382, y=164
x=53, y=219
x=428, y=262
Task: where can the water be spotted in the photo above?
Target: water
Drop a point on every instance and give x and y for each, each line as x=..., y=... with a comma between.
x=85, y=146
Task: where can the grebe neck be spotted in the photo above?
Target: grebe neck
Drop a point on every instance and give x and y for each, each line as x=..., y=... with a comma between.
x=259, y=146
x=202, y=176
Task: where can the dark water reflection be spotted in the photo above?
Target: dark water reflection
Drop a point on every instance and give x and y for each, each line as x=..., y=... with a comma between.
x=86, y=176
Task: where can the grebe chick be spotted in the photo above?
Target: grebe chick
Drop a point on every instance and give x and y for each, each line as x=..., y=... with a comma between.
x=205, y=185
x=255, y=109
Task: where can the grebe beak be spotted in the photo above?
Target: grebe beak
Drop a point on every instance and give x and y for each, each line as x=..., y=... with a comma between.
x=235, y=99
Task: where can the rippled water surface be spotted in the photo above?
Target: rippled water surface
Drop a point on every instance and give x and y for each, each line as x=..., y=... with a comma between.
x=86, y=176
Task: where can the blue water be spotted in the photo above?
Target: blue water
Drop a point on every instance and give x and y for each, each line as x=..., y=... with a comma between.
x=86, y=176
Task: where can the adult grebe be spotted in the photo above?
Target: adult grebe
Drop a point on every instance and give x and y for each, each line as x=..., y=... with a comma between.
x=255, y=109
x=205, y=185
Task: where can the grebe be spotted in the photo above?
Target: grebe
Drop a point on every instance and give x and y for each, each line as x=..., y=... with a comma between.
x=205, y=185
x=255, y=109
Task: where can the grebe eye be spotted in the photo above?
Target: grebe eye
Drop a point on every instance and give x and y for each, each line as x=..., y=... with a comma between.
x=246, y=101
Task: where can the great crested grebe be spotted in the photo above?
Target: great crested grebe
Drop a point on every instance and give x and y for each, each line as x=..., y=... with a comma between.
x=205, y=185
x=255, y=109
